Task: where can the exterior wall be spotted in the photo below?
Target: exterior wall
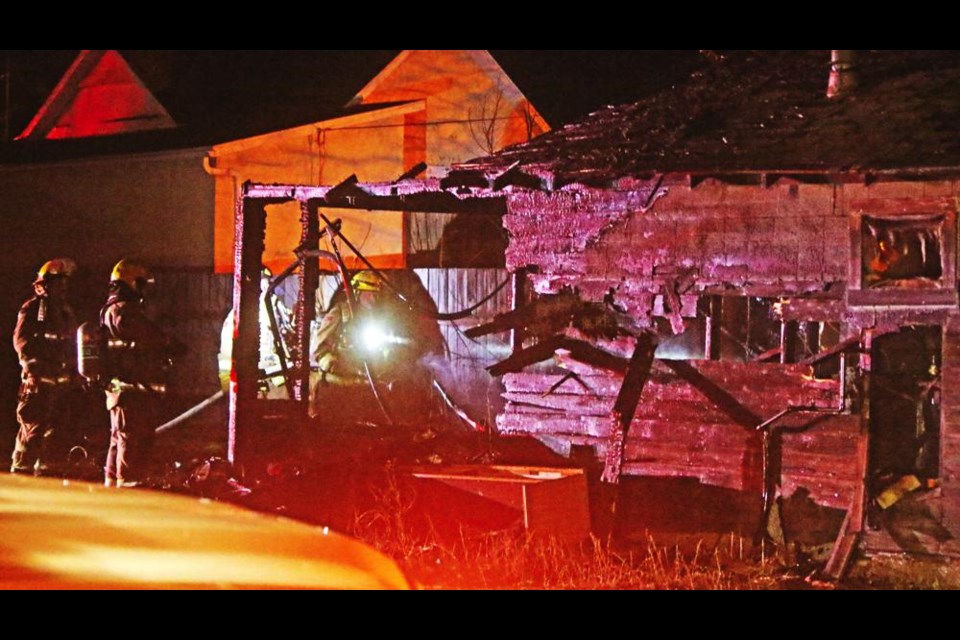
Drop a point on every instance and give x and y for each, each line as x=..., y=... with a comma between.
x=679, y=433
x=97, y=211
x=950, y=436
x=717, y=235
x=791, y=241
x=372, y=150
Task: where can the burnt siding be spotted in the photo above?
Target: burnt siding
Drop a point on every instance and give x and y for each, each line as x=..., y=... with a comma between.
x=788, y=238
x=791, y=240
x=679, y=433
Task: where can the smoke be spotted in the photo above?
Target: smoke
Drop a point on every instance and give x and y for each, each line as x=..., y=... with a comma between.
x=469, y=386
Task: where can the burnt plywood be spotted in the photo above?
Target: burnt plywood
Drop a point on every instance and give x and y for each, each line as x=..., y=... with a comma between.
x=681, y=432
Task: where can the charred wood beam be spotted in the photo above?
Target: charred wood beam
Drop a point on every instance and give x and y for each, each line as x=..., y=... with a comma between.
x=520, y=286
x=402, y=197
x=347, y=189
x=580, y=351
x=422, y=203
x=716, y=394
x=714, y=345
x=514, y=177
x=855, y=524
x=567, y=378
x=558, y=312
x=551, y=315
x=414, y=173
x=625, y=409
x=306, y=304
x=789, y=342
x=673, y=307
x=843, y=347
x=467, y=179
x=774, y=355
x=251, y=239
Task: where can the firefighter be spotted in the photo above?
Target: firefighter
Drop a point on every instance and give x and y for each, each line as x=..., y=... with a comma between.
x=390, y=329
x=140, y=355
x=272, y=381
x=43, y=340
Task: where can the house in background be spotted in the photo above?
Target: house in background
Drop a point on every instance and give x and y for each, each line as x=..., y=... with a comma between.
x=100, y=95
x=113, y=165
x=103, y=172
x=428, y=108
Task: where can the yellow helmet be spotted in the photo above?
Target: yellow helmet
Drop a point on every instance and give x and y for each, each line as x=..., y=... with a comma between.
x=133, y=273
x=59, y=268
x=366, y=281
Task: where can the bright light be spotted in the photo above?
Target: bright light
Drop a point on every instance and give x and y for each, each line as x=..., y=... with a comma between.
x=374, y=337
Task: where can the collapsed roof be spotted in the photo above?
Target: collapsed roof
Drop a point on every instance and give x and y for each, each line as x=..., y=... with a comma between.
x=766, y=111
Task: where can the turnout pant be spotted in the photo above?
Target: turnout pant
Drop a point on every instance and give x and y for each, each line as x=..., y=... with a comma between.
x=132, y=423
x=43, y=411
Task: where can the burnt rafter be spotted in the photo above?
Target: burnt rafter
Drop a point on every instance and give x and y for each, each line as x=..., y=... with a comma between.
x=410, y=196
x=413, y=173
x=551, y=315
x=515, y=177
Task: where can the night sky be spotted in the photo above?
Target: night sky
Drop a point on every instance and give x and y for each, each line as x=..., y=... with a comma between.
x=239, y=91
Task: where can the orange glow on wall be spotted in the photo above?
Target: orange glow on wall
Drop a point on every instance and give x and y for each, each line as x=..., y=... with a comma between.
x=427, y=106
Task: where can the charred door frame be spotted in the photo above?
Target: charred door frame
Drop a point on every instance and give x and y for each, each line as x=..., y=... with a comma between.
x=251, y=227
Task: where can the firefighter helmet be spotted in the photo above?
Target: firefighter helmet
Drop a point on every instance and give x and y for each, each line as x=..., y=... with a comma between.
x=134, y=274
x=366, y=281
x=59, y=268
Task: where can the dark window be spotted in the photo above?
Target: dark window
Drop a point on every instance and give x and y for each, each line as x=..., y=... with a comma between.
x=906, y=253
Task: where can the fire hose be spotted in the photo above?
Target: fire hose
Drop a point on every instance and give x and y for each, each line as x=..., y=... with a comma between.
x=192, y=413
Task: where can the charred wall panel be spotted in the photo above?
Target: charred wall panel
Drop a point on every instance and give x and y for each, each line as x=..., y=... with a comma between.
x=778, y=241
x=681, y=432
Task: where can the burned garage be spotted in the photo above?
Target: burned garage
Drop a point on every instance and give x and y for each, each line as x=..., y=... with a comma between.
x=749, y=280
x=656, y=348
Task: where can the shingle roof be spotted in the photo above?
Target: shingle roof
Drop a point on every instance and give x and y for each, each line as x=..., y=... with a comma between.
x=767, y=111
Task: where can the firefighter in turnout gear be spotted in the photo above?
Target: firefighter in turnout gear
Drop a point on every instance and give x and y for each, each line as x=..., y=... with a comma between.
x=140, y=354
x=43, y=340
x=388, y=330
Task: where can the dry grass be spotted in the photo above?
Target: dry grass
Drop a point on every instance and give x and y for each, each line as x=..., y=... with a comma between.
x=518, y=561
x=515, y=560
x=901, y=573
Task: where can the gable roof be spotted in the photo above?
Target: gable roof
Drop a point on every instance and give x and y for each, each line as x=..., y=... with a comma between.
x=480, y=58
x=767, y=111
x=403, y=87
x=99, y=95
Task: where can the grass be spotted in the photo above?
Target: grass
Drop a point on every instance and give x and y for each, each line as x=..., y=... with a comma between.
x=903, y=573
x=515, y=560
